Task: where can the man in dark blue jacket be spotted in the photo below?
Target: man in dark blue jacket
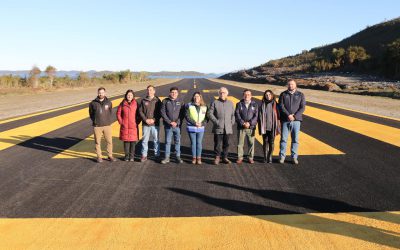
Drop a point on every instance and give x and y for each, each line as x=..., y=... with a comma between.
x=292, y=104
x=172, y=112
x=246, y=114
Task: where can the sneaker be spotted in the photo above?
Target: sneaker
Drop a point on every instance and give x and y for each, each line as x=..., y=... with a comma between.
x=179, y=160
x=217, y=160
x=126, y=158
x=132, y=159
x=239, y=161
x=112, y=159
x=99, y=160
x=194, y=160
x=281, y=160
x=165, y=161
x=226, y=161
x=251, y=161
x=199, y=161
x=295, y=161
x=143, y=159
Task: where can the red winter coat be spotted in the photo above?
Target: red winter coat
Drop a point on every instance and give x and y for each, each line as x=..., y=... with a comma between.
x=126, y=116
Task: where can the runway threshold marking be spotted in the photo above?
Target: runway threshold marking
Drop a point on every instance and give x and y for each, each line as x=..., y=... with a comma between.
x=21, y=134
x=373, y=130
x=85, y=148
x=367, y=230
x=308, y=145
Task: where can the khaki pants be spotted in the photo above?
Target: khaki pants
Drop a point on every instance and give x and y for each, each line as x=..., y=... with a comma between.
x=243, y=133
x=98, y=134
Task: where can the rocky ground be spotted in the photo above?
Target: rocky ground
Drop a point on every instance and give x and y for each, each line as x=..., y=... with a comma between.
x=335, y=82
x=377, y=105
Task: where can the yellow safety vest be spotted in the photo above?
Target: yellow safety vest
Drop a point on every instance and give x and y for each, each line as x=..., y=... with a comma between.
x=197, y=116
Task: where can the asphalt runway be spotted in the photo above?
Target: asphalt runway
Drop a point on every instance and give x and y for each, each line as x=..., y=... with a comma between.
x=349, y=162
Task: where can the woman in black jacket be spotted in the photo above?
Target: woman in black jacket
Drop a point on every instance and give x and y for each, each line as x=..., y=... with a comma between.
x=268, y=123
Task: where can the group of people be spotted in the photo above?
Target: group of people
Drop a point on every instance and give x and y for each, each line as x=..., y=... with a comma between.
x=271, y=117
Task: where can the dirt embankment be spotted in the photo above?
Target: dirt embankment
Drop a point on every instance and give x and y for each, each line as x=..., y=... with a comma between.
x=333, y=82
x=17, y=104
x=376, y=105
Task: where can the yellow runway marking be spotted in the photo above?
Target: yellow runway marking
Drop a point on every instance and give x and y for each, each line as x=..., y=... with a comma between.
x=210, y=90
x=374, y=130
x=85, y=148
x=308, y=144
x=47, y=111
x=17, y=135
x=365, y=113
x=373, y=230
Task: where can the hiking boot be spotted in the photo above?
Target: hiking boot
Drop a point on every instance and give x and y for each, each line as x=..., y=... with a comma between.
x=217, y=160
x=226, y=161
x=165, y=161
x=112, y=159
x=179, y=160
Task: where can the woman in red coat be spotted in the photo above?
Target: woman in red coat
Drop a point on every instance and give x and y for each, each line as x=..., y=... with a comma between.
x=127, y=118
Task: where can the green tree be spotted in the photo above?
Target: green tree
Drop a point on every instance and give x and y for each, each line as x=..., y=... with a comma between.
x=392, y=59
x=338, y=56
x=124, y=76
x=34, y=76
x=356, y=54
x=83, y=78
x=51, y=72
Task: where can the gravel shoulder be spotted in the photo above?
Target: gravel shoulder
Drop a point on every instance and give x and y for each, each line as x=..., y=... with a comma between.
x=376, y=105
x=18, y=104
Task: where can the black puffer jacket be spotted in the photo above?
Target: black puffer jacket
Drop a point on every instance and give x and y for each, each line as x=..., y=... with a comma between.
x=292, y=104
x=100, y=112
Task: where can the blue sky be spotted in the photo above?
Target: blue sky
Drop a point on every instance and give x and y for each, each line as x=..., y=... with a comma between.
x=207, y=36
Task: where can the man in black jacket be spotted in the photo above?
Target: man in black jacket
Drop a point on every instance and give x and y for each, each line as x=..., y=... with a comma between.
x=172, y=112
x=292, y=104
x=150, y=114
x=246, y=114
x=100, y=112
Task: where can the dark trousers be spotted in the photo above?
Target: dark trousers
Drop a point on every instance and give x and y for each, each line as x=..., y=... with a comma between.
x=268, y=144
x=221, y=140
x=129, y=148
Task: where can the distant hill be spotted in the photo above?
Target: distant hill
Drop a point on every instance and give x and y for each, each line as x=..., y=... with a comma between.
x=93, y=73
x=374, y=51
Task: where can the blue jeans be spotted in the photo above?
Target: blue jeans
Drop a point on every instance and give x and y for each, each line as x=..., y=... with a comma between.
x=146, y=132
x=176, y=132
x=294, y=129
x=197, y=143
